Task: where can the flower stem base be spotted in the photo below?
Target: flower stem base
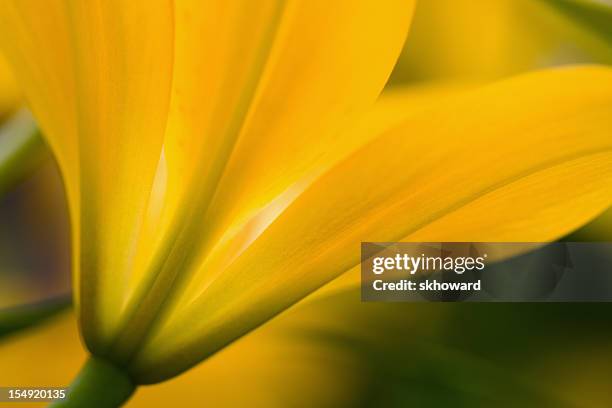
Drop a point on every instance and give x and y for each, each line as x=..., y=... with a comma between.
x=98, y=385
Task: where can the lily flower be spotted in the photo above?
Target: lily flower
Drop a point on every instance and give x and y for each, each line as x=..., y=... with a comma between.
x=222, y=160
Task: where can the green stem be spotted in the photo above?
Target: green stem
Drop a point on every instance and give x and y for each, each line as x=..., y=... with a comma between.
x=21, y=317
x=98, y=385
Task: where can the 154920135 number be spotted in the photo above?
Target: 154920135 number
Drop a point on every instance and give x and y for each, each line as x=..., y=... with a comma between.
x=36, y=393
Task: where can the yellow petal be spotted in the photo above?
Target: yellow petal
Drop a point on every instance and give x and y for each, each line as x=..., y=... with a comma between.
x=123, y=55
x=307, y=97
x=531, y=156
x=98, y=77
x=221, y=50
x=259, y=95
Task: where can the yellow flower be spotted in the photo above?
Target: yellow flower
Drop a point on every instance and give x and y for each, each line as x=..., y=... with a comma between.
x=222, y=159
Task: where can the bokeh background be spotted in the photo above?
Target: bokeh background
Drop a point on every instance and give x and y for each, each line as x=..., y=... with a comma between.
x=332, y=350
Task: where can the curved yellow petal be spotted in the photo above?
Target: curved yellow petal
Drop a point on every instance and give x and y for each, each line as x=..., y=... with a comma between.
x=259, y=95
x=98, y=77
x=124, y=58
x=509, y=149
x=306, y=100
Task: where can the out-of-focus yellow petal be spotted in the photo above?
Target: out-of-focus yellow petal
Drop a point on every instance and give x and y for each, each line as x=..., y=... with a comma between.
x=502, y=156
x=10, y=96
x=45, y=356
x=490, y=39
